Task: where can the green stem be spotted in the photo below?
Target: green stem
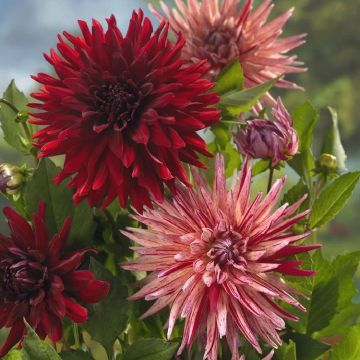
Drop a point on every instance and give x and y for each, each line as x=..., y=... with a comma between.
x=10, y=105
x=76, y=335
x=232, y=122
x=314, y=239
x=16, y=111
x=27, y=131
x=271, y=175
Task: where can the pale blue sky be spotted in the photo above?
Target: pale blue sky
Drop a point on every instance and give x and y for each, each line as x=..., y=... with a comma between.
x=29, y=27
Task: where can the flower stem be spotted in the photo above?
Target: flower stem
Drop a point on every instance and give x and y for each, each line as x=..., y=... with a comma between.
x=10, y=105
x=76, y=335
x=16, y=111
x=24, y=125
x=271, y=175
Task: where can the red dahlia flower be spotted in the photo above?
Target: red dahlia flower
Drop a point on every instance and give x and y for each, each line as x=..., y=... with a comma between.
x=222, y=33
x=217, y=258
x=39, y=283
x=124, y=110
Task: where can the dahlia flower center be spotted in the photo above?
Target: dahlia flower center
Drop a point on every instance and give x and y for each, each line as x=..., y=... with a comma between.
x=227, y=250
x=222, y=44
x=22, y=279
x=118, y=103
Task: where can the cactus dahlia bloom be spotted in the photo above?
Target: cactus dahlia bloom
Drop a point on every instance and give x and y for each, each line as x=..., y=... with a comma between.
x=222, y=33
x=124, y=110
x=269, y=140
x=39, y=283
x=216, y=258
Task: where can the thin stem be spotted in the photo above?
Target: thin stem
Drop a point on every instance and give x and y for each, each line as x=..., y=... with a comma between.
x=314, y=239
x=27, y=131
x=24, y=125
x=76, y=335
x=16, y=111
x=271, y=175
x=10, y=105
x=232, y=122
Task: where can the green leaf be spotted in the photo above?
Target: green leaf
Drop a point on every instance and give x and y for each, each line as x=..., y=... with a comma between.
x=305, y=118
x=323, y=291
x=151, y=349
x=249, y=352
x=332, y=144
x=231, y=78
x=349, y=347
x=59, y=205
x=306, y=347
x=324, y=297
x=14, y=355
x=13, y=132
x=75, y=355
x=260, y=166
x=57, y=198
x=232, y=160
x=35, y=349
x=344, y=267
x=83, y=229
x=295, y=193
x=286, y=352
x=236, y=102
x=333, y=198
x=222, y=136
x=108, y=318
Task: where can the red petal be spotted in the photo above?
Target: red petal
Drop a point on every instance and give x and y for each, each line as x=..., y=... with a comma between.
x=84, y=286
x=74, y=311
x=141, y=134
x=58, y=241
x=52, y=326
x=13, y=338
x=57, y=306
x=20, y=228
x=72, y=262
x=41, y=233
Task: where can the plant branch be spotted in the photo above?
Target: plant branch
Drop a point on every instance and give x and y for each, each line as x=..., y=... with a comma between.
x=271, y=175
x=10, y=105
x=76, y=335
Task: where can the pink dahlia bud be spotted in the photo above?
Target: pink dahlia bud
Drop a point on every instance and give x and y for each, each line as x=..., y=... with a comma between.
x=11, y=178
x=269, y=140
x=41, y=283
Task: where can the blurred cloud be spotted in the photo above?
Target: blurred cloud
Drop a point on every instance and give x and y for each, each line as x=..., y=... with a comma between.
x=29, y=27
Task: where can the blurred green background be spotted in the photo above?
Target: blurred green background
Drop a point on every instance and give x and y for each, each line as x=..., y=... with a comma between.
x=332, y=54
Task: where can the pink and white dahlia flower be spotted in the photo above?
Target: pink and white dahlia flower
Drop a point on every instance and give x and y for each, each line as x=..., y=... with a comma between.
x=222, y=33
x=216, y=257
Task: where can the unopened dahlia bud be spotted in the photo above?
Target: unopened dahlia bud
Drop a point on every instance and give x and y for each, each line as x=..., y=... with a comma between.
x=11, y=178
x=328, y=162
x=269, y=140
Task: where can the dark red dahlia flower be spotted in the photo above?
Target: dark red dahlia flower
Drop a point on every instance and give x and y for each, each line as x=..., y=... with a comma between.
x=124, y=110
x=40, y=284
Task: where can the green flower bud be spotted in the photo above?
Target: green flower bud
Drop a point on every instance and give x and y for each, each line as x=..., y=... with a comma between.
x=11, y=179
x=328, y=162
x=22, y=117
